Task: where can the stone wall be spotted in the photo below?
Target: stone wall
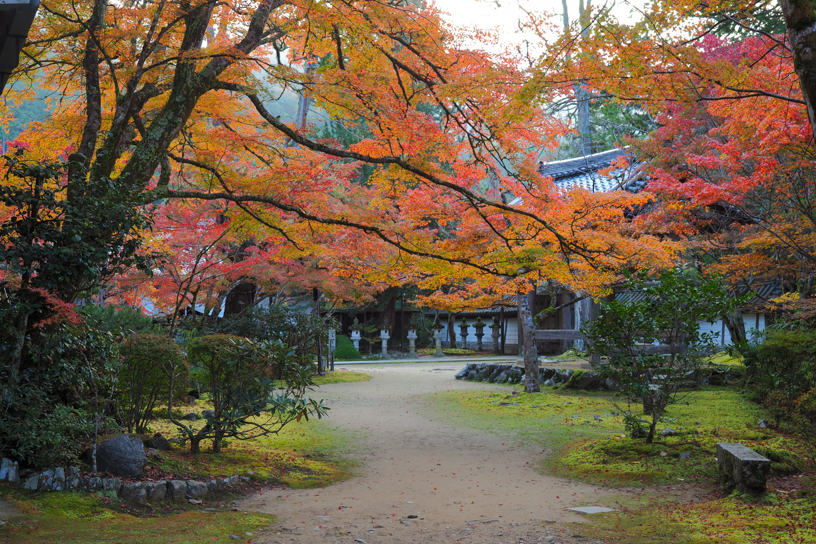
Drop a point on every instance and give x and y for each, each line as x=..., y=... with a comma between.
x=72, y=479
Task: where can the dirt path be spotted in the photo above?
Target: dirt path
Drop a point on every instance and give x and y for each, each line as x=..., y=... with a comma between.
x=425, y=481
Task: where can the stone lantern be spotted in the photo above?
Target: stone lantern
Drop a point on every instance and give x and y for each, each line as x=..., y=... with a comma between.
x=412, y=336
x=438, y=327
x=355, y=334
x=496, y=326
x=479, y=326
x=463, y=332
x=384, y=336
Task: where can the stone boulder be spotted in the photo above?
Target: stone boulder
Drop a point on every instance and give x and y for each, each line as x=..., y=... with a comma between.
x=159, y=442
x=123, y=455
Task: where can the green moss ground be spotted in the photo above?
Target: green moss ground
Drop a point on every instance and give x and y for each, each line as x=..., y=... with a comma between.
x=341, y=375
x=82, y=518
x=584, y=448
x=304, y=454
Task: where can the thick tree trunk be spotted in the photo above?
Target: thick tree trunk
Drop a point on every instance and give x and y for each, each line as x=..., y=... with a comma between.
x=531, y=384
x=800, y=20
x=735, y=325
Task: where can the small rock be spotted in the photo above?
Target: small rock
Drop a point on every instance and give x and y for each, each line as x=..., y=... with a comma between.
x=93, y=484
x=668, y=431
x=598, y=418
x=73, y=478
x=46, y=480
x=195, y=501
x=549, y=538
x=31, y=482
x=762, y=424
x=359, y=541
x=413, y=516
x=508, y=404
x=133, y=492
x=59, y=479
x=159, y=442
x=196, y=489
x=5, y=466
x=176, y=490
x=111, y=486
x=191, y=417
x=405, y=522
x=235, y=537
x=208, y=414
x=156, y=491
x=684, y=455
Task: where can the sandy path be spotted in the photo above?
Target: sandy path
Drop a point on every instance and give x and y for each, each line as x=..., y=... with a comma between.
x=461, y=484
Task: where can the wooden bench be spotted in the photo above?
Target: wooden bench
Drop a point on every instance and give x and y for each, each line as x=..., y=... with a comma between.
x=741, y=468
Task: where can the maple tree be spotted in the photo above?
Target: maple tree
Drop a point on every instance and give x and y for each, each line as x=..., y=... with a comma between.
x=175, y=101
x=731, y=160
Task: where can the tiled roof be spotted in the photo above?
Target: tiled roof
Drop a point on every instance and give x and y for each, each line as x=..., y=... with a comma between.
x=762, y=293
x=16, y=17
x=583, y=172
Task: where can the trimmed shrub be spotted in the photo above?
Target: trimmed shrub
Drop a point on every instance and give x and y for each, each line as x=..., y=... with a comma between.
x=144, y=379
x=345, y=350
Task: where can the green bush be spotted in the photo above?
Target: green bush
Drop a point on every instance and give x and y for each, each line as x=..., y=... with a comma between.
x=240, y=376
x=805, y=419
x=118, y=319
x=783, y=360
x=783, y=462
x=48, y=408
x=144, y=379
x=669, y=313
x=290, y=326
x=345, y=350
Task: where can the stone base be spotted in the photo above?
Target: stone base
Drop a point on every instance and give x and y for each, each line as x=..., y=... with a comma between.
x=742, y=468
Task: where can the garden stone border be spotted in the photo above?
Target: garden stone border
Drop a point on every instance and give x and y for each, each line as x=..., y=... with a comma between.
x=60, y=479
x=587, y=380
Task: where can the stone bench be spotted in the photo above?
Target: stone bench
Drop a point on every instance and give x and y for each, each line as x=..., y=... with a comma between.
x=742, y=468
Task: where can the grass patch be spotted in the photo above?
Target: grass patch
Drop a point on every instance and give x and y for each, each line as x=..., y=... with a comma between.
x=456, y=352
x=67, y=518
x=570, y=355
x=341, y=375
x=771, y=519
x=301, y=455
x=723, y=358
x=586, y=433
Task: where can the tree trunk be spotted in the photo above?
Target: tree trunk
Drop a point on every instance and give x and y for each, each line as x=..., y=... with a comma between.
x=735, y=325
x=531, y=384
x=800, y=21
x=451, y=330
